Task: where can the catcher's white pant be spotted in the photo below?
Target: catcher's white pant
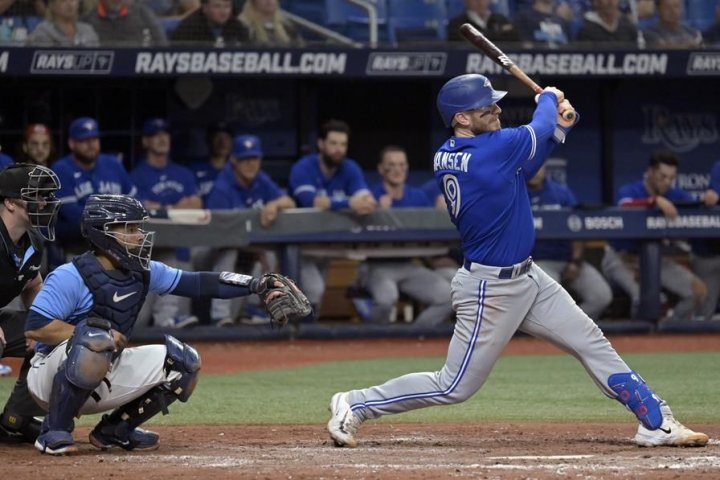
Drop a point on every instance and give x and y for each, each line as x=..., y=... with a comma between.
x=133, y=373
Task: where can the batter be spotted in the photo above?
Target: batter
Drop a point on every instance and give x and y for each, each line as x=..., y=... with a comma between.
x=482, y=171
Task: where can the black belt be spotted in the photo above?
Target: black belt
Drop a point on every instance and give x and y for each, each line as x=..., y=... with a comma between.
x=506, y=273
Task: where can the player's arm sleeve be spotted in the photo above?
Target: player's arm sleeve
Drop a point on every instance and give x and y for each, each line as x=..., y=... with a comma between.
x=302, y=188
x=356, y=186
x=207, y=284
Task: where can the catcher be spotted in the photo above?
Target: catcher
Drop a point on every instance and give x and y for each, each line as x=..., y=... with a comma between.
x=83, y=318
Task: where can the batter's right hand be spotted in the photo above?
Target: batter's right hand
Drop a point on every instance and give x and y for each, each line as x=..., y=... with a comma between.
x=558, y=93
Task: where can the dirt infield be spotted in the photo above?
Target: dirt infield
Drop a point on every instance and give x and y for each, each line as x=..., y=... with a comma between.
x=387, y=451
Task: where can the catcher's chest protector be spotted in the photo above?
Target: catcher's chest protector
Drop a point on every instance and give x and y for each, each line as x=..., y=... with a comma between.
x=118, y=295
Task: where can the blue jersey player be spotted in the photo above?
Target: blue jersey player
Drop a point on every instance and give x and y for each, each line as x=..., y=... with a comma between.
x=482, y=170
x=82, y=173
x=83, y=318
x=327, y=180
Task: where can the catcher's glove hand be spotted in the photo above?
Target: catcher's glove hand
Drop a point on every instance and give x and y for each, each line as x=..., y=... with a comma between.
x=284, y=301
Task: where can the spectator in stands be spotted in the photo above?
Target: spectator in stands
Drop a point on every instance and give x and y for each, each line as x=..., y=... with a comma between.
x=705, y=259
x=37, y=145
x=606, y=24
x=712, y=35
x=563, y=260
x=327, y=180
x=213, y=23
x=493, y=25
x=268, y=25
x=243, y=185
x=669, y=31
x=540, y=26
x=163, y=184
x=645, y=14
x=386, y=278
x=219, y=143
x=83, y=172
x=126, y=23
x=620, y=262
x=62, y=28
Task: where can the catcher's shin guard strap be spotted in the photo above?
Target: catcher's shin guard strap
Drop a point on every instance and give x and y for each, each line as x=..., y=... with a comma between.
x=636, y=395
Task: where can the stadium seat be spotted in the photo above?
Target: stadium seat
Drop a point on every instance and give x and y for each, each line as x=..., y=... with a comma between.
x=418, y=20
x=700, y=14
x=352, y=20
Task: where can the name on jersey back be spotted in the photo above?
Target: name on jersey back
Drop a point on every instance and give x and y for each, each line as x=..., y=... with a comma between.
x=452, y=161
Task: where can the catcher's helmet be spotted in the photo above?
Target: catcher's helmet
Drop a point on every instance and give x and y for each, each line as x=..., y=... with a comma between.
x=129, y=248
x=466, y=92
x=36, y=186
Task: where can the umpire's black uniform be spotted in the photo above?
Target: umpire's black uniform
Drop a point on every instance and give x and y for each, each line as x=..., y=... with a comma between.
x=19, y=264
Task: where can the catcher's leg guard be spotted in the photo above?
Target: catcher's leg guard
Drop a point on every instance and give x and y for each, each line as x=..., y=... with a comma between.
x=88, y=360
x=181, y=358
x=636, y=395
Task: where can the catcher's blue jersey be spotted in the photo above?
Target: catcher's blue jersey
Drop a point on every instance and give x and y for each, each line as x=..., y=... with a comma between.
x=308, y=181
x=228, y=194
x=166, y=186
x=483, y=180
x=65, y=296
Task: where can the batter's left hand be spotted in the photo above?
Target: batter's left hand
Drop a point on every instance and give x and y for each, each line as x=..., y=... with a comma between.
x=564, y=106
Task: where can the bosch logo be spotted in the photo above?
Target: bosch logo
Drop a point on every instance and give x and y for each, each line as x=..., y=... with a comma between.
x=574, y=223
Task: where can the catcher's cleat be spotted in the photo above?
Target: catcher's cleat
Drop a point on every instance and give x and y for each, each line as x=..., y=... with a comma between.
x=106, y=436
x=343, y=424
x=56, y=442
x=670, y=434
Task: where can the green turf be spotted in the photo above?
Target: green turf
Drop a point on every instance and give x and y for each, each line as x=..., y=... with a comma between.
x=542, y=388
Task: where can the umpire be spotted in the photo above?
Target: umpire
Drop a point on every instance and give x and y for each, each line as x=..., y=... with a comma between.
x=28, y=210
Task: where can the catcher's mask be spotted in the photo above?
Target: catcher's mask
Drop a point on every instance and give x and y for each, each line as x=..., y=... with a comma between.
x=113, y=224
x=35, y=185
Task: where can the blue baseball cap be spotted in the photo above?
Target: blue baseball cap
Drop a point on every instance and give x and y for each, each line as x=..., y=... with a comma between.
x=466, y=92
x=153, y=126
x=83, y=128
x=246, y=146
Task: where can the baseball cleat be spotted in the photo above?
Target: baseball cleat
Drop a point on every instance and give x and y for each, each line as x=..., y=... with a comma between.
x=106, y=436
x=343, y=424
x=670, y=434
x=56, y=442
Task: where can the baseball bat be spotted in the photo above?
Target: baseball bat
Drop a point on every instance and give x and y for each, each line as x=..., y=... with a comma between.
x=481, y=42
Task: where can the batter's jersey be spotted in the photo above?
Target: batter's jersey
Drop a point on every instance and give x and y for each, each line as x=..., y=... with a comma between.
x=77, y=184
x=65, y=296
x=552, y=196
x=229, y=194
x=412, y=197
x=636, y=191
x=18, y=263
x=308, y=181
x=483, y=180
x=166, y=185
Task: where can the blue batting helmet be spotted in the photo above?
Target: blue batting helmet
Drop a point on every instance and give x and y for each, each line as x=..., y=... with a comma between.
x=466, y=92
x=100, y=212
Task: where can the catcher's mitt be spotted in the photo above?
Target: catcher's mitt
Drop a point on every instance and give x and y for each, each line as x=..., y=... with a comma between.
x=284, y=301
